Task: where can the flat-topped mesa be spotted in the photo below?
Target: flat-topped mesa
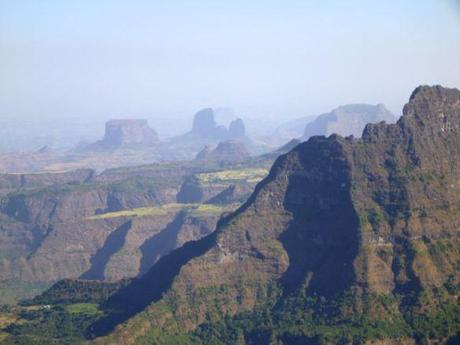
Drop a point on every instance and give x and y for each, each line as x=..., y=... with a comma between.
x=128, y=132
x=230, y=150
x=348, y=120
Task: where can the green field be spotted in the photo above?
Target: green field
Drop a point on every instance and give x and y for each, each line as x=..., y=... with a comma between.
x=83, y=308
x=252, y=175
x=193, y=209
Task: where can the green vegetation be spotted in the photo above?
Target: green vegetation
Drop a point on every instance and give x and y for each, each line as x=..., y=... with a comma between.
x=70, y=291
x=317, y=320
x=141, y=211
x=193, y=209
x=11, y=291
x=53, y=325
x=251, y=175
x=83, y=308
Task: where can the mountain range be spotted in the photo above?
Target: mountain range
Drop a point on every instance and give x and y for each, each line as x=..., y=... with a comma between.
x=345, y=241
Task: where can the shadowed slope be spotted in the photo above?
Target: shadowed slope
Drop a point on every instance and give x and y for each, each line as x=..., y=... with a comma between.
x=112, y=245
x=362, y=233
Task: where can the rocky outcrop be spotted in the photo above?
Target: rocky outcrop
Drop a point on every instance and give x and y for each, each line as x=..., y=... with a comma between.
x=357, y=232
x=237, y=130
x=348, y=120
x=126, y=133
x=206, y=131
x=230, y=150
x=205, y=126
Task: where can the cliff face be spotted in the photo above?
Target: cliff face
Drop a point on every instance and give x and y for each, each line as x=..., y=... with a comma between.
x=366, y=229
x=108, y=226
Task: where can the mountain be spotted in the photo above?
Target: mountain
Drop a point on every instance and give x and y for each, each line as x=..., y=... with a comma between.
x=206, y=131
x=348, y=120
x=126, y=133
x=346, y=241
x=230, y=150
x=283, y=149
x=289, y=130
x=205, y=127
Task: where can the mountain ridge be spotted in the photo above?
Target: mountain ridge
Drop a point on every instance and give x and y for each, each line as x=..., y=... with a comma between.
x=392, y=199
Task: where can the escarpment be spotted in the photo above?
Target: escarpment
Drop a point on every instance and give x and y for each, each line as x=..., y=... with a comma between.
x=356, y=229
x=109, y=226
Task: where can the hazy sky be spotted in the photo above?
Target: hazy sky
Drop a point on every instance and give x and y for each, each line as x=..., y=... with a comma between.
x=136, y=58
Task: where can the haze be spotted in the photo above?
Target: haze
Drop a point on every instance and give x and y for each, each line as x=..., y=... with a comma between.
x=271, y=60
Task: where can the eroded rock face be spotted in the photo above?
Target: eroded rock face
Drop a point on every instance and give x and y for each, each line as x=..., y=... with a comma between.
x=348, y=120
x=334, y=216
x=71, y=225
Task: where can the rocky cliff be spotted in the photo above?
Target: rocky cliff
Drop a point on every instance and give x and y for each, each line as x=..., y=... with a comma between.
x=108, y=226
x=345, y=241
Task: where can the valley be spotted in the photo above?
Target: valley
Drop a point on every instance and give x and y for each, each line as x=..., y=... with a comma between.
x=343, y=241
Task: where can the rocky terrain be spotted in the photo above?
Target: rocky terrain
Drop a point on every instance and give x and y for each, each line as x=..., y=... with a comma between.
x=346, y=241
x=112, y=225
x=348, y=120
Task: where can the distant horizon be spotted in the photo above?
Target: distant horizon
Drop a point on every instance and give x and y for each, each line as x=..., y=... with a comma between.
x=263, y=59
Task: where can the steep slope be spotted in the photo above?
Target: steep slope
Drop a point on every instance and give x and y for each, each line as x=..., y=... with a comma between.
x=345, y=240
x=108, y=226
